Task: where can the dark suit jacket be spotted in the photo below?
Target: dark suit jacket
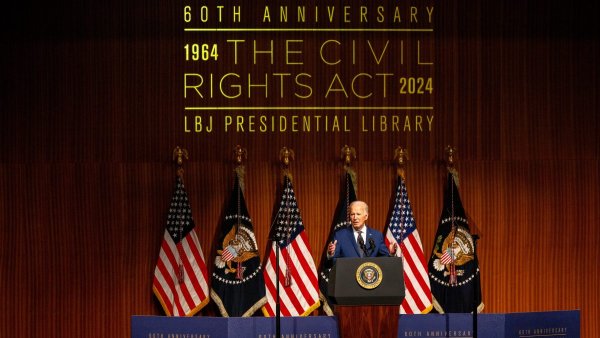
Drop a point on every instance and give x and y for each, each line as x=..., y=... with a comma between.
x=347, y=247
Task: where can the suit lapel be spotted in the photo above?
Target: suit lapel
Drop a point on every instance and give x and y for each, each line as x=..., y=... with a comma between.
x=353, y=241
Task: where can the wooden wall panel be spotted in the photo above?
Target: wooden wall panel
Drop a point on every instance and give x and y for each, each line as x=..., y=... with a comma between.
x=91, y=110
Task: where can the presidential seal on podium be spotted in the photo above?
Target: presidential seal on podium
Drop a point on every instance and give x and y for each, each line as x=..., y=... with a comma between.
x=369, y=275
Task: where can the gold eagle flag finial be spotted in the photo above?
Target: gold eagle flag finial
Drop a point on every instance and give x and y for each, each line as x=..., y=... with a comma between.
x=240, y=155
x=179, y=154
x=348, y=154
x=401, y=157
x=450, y=154
x=450, y=157
x=286, y=156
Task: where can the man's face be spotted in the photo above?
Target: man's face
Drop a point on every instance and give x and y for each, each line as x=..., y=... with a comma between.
x=358, y=216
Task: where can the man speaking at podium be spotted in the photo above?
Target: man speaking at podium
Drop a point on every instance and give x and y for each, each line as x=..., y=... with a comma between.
x=358, y=240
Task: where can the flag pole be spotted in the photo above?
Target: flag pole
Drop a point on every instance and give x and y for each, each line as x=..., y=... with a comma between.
x=240, y=155
x=179, y=155
x=348, y=154
x=401, y=157
x=285, y=157
x=451, y=152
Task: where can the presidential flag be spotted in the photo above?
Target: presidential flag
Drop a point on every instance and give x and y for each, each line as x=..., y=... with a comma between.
x=402, y=231
x=298, y=285
x=341, y=220
x=238, y=287
x=180, y=276
x=453, y=266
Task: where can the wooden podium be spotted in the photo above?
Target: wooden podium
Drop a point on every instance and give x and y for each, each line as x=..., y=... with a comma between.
x=367, y=293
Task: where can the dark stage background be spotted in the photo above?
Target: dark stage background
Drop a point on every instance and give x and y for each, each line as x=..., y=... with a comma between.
x=91, y=107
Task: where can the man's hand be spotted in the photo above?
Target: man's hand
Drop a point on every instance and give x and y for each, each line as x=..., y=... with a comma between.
x=393, y=248
x=331, y=248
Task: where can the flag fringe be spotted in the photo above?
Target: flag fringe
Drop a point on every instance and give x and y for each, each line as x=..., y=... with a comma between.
x=439, y=308
x=259, y=304
x=328, y=310
x=188, y=314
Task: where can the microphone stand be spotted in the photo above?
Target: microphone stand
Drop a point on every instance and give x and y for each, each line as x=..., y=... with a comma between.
x=475, y=238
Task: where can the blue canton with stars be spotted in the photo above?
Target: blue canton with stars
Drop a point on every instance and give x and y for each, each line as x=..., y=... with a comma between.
x=179, y=219
x=288, y=223
x=402, y=222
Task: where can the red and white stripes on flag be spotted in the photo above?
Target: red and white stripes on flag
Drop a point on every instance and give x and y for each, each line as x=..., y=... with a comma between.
x=402, y=230
x=298, y=284
x=447, y=257
x=180, y=276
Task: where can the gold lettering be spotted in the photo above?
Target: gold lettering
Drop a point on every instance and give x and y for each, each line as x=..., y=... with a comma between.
x=418, y=122
x=336, y=124
x=395, y=123
x=323, y=57
x=266, y=15
x=268, y=51
x=397, y=17
x=282, y=123
x=237, y=93
x=383, y=123
x=413, y=14
x=407, y=123
x=378, y=60
x=363, y=14
x=194, y=86
x=341, y=88
x=239, y=123
x=430, y=13
x=228, y=121
x=330, y=10
x=347, y=14
x=380, y=16
x=265, y=85
x=354, y=89
x=283, y=13
x=302, y=13
x=289, y=51
x=430, y=122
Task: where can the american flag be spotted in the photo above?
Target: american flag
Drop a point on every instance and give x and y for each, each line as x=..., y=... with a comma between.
x=229, y=253
x=180, y=276
x=402, y=230
x=298, y=285
x=447, y=256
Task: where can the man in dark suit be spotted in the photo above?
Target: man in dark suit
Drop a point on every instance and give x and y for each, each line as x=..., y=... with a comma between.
x=358, y=240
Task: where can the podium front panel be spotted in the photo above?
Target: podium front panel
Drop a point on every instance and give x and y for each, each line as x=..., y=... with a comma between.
x=367, y=281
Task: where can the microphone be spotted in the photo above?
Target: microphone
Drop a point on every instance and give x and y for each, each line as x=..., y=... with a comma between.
x=361, y=244
x=371, y=245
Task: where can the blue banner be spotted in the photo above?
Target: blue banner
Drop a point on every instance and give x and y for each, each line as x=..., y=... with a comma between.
x=236, y=327
x=450, y=325
x=560, y=324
